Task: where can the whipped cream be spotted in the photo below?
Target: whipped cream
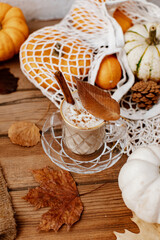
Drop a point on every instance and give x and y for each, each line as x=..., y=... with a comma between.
x=78, y=116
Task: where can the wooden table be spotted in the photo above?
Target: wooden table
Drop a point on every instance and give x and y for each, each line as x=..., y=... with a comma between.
x=104, y=209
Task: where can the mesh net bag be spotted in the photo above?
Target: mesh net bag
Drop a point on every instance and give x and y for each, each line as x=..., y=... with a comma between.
x=74, y=46
x=49, y=50
x=77, y=45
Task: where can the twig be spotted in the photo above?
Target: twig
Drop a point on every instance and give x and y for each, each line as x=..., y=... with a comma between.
x=93, y=189
x=48, y=108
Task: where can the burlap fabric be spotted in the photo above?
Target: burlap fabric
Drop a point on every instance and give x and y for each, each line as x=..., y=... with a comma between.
x=7, y=221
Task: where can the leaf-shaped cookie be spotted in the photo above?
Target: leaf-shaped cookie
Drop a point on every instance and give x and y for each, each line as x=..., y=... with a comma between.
x=24, y=133
x=148, y=231
x=57, y=190
x=98, y=102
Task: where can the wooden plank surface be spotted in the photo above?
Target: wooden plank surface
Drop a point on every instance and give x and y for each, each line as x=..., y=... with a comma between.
x=104, y=210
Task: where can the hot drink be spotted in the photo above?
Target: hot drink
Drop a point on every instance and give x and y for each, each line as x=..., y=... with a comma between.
x=82, y=132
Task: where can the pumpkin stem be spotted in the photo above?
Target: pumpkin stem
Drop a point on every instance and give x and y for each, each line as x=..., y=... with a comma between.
x=0, y=26
x=56, y=49
x=152, y=40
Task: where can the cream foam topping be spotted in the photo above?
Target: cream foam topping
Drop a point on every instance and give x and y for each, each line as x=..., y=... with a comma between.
x=77, y=115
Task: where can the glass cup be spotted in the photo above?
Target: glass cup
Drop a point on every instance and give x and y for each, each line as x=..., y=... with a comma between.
x=82, y=140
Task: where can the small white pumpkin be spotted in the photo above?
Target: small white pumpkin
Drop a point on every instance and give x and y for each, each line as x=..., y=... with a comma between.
x=139, y=181
x=142, y=46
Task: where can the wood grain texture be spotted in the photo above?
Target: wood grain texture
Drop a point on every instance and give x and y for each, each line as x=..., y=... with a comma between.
x=104, y=210
x=28, y=105
x=18, y=161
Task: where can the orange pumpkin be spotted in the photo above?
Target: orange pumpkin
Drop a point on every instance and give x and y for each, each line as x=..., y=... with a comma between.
x=83, y=20
x=37, y=63
x=13, y=30
x=109, y=73
x=45, y=81
x=77, y=62
x=124, y=21
x=43, y=59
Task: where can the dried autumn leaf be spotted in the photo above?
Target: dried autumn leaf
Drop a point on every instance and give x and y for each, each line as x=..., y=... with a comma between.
x=98, y=102
x=24, y=133
x=8, y=82
x=148, y=231
x=57, y=190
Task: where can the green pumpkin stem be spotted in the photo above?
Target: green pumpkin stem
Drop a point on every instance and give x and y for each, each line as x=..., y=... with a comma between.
x=56, y=49
x=152, y=40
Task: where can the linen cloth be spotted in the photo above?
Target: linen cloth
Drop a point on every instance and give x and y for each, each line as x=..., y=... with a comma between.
x=7, y=221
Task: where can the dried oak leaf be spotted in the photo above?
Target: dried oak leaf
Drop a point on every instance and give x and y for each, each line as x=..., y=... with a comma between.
x=58, y=191
x=98, y=102
x=148, y=231
x=24, y=133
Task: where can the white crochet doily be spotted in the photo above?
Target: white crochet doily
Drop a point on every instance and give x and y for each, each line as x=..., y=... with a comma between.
x=77, y=45
x=142, y=133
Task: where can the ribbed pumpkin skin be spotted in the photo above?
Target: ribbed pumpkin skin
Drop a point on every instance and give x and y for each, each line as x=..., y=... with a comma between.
x=139, y=181
x=13, y=30
x=143, y=58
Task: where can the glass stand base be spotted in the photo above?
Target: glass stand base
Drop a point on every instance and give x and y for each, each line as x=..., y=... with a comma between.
x=110, y=152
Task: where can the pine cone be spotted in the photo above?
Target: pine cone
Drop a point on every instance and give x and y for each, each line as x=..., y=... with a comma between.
x=146, y=94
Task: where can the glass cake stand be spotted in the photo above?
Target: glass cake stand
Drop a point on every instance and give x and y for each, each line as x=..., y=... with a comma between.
x=110, y=152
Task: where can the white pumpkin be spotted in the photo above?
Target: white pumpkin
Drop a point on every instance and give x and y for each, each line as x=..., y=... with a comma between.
x=139, y=181
x=142, y=46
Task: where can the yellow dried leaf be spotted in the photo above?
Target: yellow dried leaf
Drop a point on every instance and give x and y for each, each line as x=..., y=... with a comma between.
x=24, y=133
x=147, y=231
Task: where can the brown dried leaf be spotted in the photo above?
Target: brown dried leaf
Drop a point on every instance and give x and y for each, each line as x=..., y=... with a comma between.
x=98, y=102
x=148, y=231
x=57, y=190
x=8, y=82
x=24, y=133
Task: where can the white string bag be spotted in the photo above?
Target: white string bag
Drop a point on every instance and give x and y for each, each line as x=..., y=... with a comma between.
x=77, y=45
x=50, y=49
x=88, y=20
x=103, y=33
x=88, y=28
